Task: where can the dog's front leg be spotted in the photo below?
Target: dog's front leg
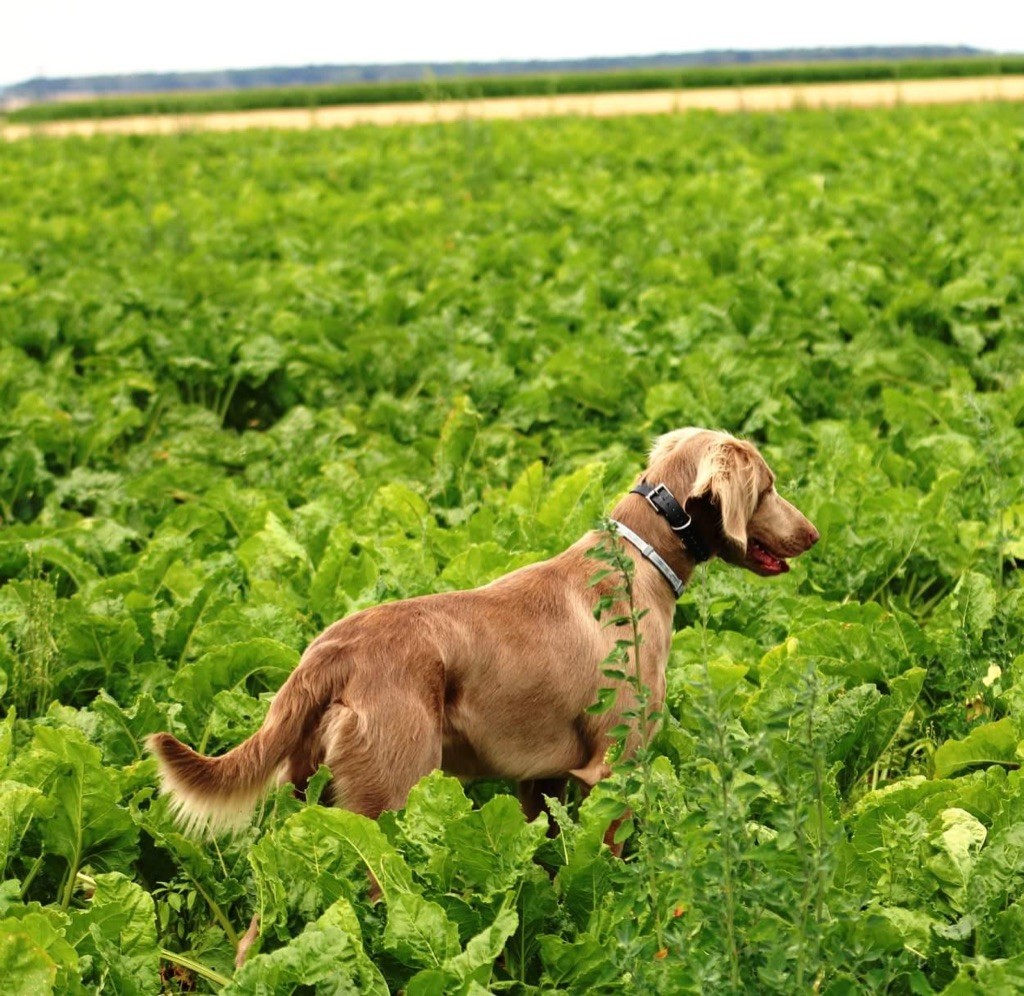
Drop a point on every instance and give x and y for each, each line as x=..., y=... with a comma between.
x=531, y=798
x=613, y=828
x=588, y=777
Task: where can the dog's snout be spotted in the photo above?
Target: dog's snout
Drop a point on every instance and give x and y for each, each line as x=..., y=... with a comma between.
x=812, y=536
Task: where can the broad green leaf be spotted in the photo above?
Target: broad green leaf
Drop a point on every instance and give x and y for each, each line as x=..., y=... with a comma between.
x=537, y=909
x=593, y=379
x=118, y=928
x=997, y=873
x=397, y=505
x=880, y=820
x=583, y=880
x=435, y=802
x=122, y=731
x=873, y=648
x=1004, y=932
x=7, y=738
x=493, y=845
x=883, y=721
x=274, y=555
x=225, y=669
x=58, y=554
x=88, y=825
x=525, y=495
x=991, y=743
x=328, y=954
x=25, y=966
x=46, y=928
x=1014, y=524
x=966, y=613
x=418, y=933
x=465, y=971
x=479, y=564
x=104, y=637
x=346, y=571
x=301, y=869
x=914, y=927
x=483, y=950
x=18, y=804
x=7, y=723
x=259, y=357
x=176, y=627
x=454, y=447
x=983, y=976
x=573, y=503
x=580, y=965
x=319, y=855
x=959, y=838
x=235, y=714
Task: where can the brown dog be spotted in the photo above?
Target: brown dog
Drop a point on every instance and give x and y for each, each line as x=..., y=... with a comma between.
x=496, y=681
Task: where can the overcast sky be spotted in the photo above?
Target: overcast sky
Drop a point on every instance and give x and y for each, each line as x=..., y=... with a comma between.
x=88, y=37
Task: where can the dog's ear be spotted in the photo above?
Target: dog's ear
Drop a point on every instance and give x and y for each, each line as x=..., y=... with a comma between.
x=668, y=443
x=727, y=471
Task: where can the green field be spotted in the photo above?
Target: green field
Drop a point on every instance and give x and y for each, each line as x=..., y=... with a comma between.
x=251, y=383
x=687, y=78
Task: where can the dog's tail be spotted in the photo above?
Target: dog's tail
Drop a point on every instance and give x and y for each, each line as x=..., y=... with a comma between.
x=215, y=794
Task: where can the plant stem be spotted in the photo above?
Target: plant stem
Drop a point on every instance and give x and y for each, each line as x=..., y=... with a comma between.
x=218, y=913
x=195, y=966
x=225, y=402
x=32, y=872
x=643, y=699
x=721, y=739
x=69, y=887
x=727, y=883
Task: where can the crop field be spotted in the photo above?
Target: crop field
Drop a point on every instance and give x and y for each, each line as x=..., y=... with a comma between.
x=250, y=383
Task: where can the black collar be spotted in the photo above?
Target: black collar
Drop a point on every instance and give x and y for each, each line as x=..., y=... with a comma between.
x=664, y=503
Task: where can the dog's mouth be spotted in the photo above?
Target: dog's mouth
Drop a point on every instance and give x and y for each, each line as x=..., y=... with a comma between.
x=763, y=560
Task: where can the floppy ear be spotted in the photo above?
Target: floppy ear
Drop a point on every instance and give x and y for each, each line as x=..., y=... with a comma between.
x=728, y=472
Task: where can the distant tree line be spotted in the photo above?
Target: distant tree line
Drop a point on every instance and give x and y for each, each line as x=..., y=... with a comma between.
x=71, y=87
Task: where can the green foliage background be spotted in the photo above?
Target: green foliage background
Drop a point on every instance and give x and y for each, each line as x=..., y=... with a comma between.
x=251, y=383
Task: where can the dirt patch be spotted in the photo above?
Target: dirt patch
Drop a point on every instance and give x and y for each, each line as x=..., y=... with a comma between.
x=600, y=105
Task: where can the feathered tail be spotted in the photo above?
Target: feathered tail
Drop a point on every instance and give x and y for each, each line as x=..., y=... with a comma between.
x=216, y=793
x=219, y=793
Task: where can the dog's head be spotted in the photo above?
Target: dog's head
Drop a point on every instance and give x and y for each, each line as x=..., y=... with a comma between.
x=729, y=490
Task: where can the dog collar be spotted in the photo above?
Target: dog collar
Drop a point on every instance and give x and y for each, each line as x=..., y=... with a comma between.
x=649, y=553
x=664, y=503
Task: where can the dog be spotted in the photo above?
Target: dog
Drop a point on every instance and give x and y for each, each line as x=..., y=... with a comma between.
x=496, y=681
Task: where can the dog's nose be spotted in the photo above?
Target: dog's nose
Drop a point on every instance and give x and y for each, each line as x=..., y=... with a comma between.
x=812, y=536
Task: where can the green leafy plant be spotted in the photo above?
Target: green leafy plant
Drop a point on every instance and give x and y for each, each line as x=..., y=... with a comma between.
x=250, y=385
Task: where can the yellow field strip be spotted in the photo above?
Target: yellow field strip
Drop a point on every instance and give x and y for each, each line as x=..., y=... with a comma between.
x=598, y=105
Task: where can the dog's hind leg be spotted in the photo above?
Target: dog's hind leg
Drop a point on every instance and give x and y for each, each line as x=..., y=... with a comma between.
x=247, y=940
x=375, y=758
x=377, y=755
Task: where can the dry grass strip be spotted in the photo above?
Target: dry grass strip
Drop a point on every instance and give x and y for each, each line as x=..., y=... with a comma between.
x=598, y=105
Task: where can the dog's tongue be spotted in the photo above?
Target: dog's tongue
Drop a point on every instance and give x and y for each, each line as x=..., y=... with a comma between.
x=768, y=560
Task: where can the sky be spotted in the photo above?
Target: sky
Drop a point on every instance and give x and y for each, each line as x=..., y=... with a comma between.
x=91, y=37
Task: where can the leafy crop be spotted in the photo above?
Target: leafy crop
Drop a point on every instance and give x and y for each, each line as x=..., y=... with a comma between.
x=251, y=383
x=473, y=88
